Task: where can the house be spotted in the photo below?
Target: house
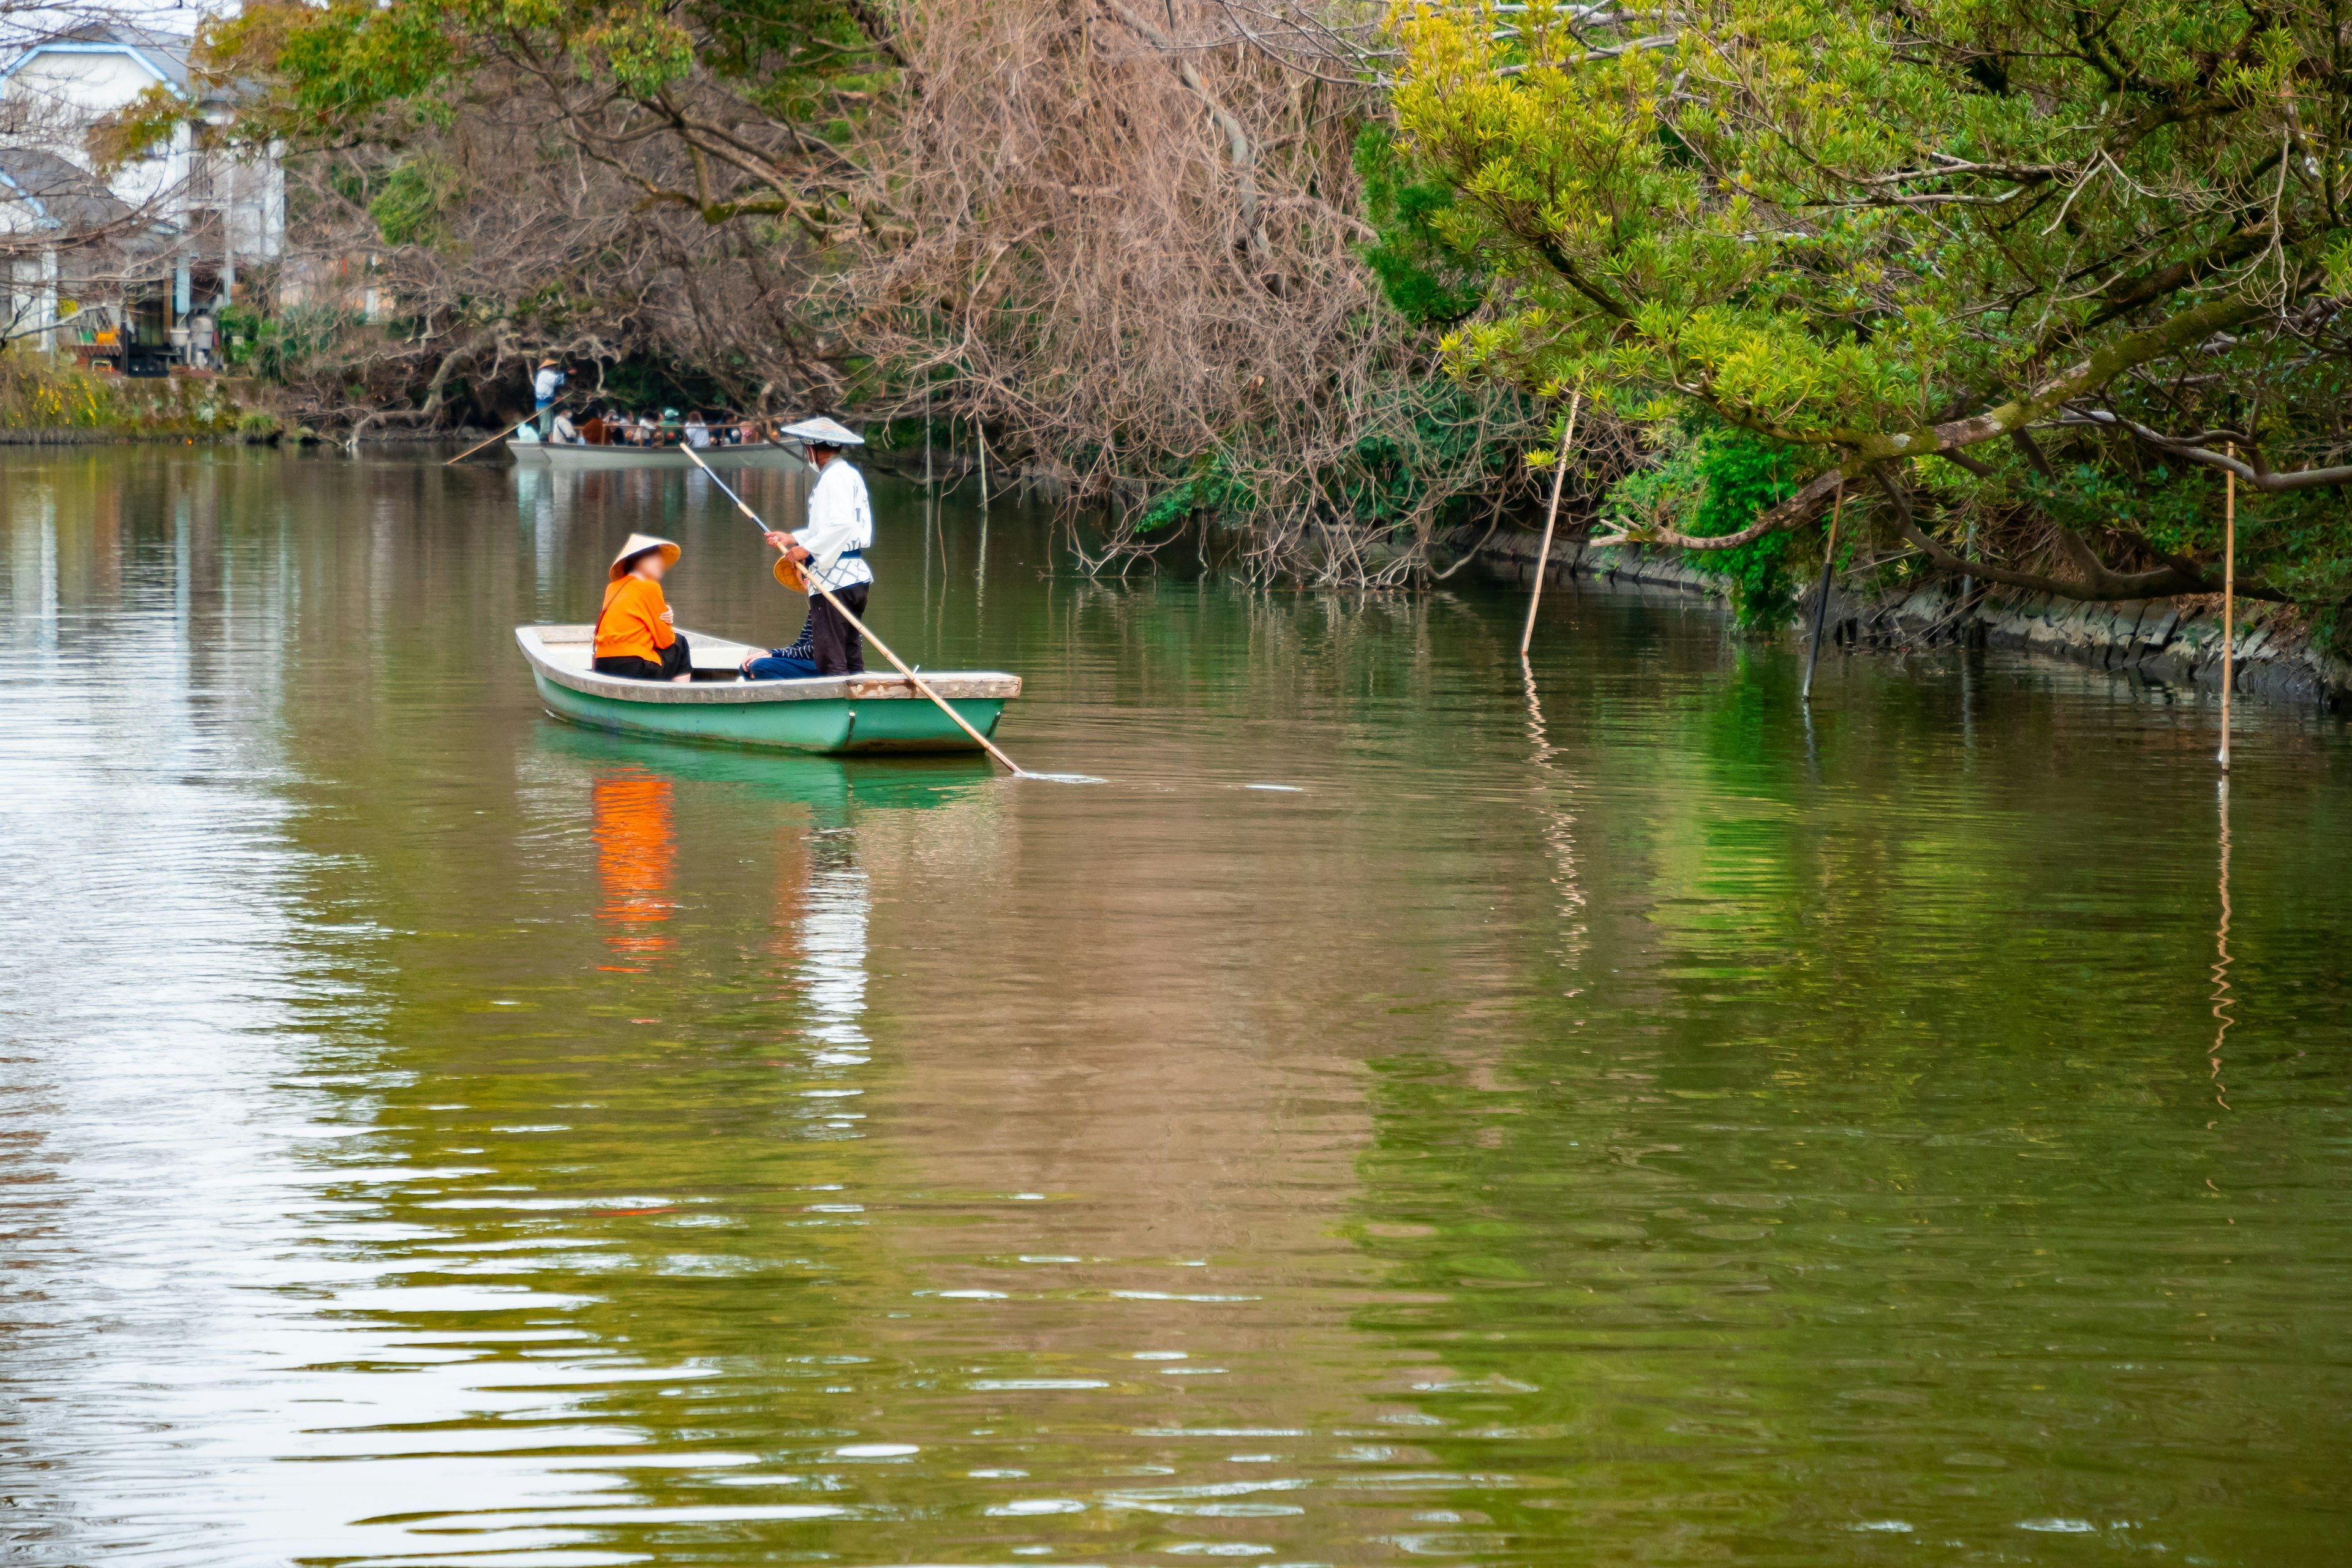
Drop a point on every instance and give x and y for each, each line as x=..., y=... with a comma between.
x=121, y=261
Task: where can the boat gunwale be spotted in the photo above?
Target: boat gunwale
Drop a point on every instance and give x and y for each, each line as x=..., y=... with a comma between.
x=957, y=685
x=621, y=455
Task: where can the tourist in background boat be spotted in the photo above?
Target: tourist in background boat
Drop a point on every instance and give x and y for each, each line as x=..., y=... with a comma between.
x=565, y=431
x=634, y=631
x=591, y=429
x=666, y=434
x=830, y=549
x=544, y=388
x=649, y=430
x=697, y=434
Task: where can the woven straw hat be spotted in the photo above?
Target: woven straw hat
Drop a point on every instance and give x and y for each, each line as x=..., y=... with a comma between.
x=638, y=545
x=788, y=571
x=823, y=432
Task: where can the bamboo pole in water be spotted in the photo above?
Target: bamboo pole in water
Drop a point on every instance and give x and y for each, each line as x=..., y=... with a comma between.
x=2228, y=599
x=1551, y=517
x=1822, y=600
x=866, y=632
x=499, y=437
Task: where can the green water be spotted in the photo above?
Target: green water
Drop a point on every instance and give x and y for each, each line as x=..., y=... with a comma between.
x=1606, y=1117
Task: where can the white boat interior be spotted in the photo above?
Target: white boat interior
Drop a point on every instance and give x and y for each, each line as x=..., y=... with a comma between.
x=567, y=654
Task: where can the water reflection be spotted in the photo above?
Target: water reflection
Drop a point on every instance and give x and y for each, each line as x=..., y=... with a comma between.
x=1583, y=1118
x=635, y=854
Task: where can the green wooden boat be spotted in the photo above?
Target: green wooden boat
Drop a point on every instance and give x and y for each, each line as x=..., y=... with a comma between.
x=838, y=715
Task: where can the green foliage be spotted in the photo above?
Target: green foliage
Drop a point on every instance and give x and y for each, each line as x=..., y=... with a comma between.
x=276, y=347
x=1845, y=229
x=1714, y=480
x=369, y=65
x=1428, y=282
x=409, y=206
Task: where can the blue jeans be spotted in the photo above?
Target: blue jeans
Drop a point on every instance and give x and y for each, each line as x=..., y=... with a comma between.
x=779, y=665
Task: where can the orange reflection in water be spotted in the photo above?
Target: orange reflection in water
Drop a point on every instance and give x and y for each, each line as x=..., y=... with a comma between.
x=636, y=849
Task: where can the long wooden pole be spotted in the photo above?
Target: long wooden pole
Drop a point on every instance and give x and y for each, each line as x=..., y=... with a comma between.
x=2228, y=599
x=1821, y=599
x=1551, y=517
x=499, y=437
x=864, y=631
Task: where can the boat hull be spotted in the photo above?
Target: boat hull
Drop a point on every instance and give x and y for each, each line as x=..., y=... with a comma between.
x=562, y=457
x=835, y=716
x=828, y=726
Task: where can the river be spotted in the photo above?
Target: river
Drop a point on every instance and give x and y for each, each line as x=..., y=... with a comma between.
x=1410, y=1111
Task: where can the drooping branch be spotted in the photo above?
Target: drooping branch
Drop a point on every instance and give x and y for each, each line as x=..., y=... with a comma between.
x=2099, y=581
x=1797, y=510
x=2251, y=469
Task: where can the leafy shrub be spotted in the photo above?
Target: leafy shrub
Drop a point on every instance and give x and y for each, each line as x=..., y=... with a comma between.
x=1714, y=480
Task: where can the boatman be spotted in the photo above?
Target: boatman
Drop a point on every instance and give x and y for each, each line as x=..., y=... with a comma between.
x=830, y=551
x=544, y=388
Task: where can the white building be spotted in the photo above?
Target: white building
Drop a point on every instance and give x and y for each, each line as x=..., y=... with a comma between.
x=151, y=242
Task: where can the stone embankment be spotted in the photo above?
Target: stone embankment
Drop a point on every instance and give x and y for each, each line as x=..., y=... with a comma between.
x=2160, y=642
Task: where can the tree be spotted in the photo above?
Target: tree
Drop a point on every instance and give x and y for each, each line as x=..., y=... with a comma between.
x=2028, y=268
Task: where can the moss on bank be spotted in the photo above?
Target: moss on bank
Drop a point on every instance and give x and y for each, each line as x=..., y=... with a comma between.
x=37, y=393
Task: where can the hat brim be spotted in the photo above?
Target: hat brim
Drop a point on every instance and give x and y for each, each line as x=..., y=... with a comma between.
x=669, y=554
x=824, y=433
x=788, y=571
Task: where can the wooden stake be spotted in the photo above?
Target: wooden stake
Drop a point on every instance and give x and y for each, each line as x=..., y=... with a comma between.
x=2228, y=599
x=863, y=630
x=1821, y=599
x=1551, y=516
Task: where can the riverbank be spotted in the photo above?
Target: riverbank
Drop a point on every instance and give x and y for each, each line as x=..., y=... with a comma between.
x=2161, y=643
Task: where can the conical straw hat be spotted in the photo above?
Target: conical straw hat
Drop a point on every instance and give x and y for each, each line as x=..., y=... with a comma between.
x=788, y=571
x=638, y=545
x=824, y=433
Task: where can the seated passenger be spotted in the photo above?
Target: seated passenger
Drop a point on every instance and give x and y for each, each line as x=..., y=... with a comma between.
x=565, y=431
x=592, y=428
x=526, y=433
x=648, y=429
x=697, y=434
x=797, y=662
x=634, y=634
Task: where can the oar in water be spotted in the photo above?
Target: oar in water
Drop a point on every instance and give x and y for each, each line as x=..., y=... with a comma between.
x=880, y=646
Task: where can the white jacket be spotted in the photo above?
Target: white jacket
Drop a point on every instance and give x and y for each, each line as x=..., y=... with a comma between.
x=840, y=519
x=544, y=384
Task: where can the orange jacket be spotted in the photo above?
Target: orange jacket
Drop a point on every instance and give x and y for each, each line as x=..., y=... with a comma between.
x=632, y=624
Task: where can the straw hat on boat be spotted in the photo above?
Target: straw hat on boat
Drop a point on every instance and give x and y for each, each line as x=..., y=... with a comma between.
x=823, y=432
x=788, y=571
x=638, y=545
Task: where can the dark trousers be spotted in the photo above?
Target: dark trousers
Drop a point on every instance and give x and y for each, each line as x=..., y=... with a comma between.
x=675, y=661
x=838, y=648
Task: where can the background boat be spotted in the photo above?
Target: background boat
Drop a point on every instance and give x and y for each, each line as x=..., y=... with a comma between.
x=837, y=715
x=563, y=455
